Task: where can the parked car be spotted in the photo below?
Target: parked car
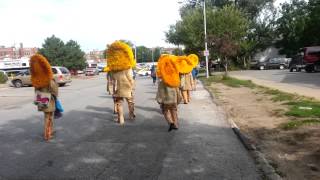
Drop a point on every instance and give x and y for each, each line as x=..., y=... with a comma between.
x=60, y=74
x=22, y=79
x=91, y=71
x=297, y=63
x=274, y=63
x=144, y=72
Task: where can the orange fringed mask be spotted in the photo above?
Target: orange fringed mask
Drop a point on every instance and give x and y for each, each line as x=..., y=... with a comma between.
x=184, y=64
x=168, y=71
x=41, y=72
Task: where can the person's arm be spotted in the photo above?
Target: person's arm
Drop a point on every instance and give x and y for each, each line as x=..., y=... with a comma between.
x=53, y=88
x=130, y=78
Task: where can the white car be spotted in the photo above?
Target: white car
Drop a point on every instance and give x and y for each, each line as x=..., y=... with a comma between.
x=144, y=72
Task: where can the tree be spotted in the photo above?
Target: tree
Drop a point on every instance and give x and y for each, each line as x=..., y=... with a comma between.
x=311, y=32
x=229, y=31
x=291, y=27
x=53, y=50
x=59, y=54
x=74, y=57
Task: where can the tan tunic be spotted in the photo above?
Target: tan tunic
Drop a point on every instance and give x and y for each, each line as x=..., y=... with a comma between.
x=186, y=82
x=124, y=83
x=53, y=90
x=167, y=95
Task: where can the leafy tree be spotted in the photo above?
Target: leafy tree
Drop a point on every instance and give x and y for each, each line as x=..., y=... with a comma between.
x=311, y=31
x=74, y=57
x=59, y=54
x=229, y=31
x=291, y=27
x=53, y=50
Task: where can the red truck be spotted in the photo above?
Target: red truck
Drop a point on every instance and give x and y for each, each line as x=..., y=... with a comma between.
x=311, y=58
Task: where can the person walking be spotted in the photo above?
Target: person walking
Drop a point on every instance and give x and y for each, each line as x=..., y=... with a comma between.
x=153, y=74
x=46, y=91
x=168, y=95
x=195, y=73
x=120, y=62
x=186, y=87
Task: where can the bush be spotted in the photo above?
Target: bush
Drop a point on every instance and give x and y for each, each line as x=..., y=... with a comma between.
x=3, y=78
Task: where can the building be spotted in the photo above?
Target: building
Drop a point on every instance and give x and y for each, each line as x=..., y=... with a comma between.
x=16, y=52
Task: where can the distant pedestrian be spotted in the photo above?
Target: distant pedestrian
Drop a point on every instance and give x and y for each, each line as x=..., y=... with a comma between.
x=46, y=91
x=195, y=73
x=153, y=74
x=168, y=95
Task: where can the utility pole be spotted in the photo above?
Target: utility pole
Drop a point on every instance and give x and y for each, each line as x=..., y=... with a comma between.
x=206, y=52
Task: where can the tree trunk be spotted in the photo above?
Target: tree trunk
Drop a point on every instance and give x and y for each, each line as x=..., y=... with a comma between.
x=226, y=67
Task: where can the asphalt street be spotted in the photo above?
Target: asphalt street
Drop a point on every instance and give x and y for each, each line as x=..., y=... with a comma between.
x=303, y=79
x=89, y=144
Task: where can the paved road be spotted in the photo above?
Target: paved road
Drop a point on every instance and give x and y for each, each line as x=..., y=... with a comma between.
x=303, y=79
x=90, y=145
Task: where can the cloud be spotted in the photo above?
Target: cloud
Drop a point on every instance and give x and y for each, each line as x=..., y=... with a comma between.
x=92, y=23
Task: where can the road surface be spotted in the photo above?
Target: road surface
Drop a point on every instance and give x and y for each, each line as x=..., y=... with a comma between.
x=303, y=79
x=88, y=144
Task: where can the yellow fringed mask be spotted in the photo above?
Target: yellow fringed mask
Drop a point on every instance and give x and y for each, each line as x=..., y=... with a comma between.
x=168, y=70
x=41, y=72
x=194, y=59
x=184, y=64
x=120, y=57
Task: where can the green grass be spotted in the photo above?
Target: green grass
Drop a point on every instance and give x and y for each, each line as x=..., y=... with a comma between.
x=229, y=81
x=304, y=108
x=299, y=106
x=298, y=123
x=279, y=96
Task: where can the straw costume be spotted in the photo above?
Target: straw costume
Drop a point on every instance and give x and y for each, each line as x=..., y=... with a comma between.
x=185, y=65
x=168, y=95
x=120, y=61
x=46, y=89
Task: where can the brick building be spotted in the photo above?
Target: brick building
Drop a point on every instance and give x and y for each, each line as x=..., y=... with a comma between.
x=16, y=52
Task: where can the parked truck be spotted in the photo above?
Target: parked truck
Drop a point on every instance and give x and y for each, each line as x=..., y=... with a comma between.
x=311, y=58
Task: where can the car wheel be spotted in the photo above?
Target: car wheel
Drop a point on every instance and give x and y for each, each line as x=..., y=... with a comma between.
x=62, y=84
x=291, y=69
x=281, y=67
x=261, y=67
x=17, y=83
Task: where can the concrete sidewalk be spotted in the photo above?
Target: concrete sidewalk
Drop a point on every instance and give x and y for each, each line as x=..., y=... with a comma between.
x=289, y=88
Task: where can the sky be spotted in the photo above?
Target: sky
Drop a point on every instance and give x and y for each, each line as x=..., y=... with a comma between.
x=92, y=23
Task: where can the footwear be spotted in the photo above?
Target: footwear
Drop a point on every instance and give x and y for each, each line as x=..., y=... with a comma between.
x=171, y=126
x=175, y=127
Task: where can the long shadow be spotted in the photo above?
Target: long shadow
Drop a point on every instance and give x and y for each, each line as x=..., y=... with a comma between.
x=149, y=109
x=101, y=109
x=87, y=146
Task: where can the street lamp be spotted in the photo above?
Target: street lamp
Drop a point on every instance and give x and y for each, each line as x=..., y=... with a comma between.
x=206, y=52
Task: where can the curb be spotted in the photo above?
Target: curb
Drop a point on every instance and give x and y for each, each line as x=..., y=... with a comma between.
x=262, y=163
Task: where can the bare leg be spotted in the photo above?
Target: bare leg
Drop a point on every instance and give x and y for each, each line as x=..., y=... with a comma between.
x=120, y=111
x=174, y=116
x=130, y=101
x=185, y=97
x=46, y=126
x=188, y=96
